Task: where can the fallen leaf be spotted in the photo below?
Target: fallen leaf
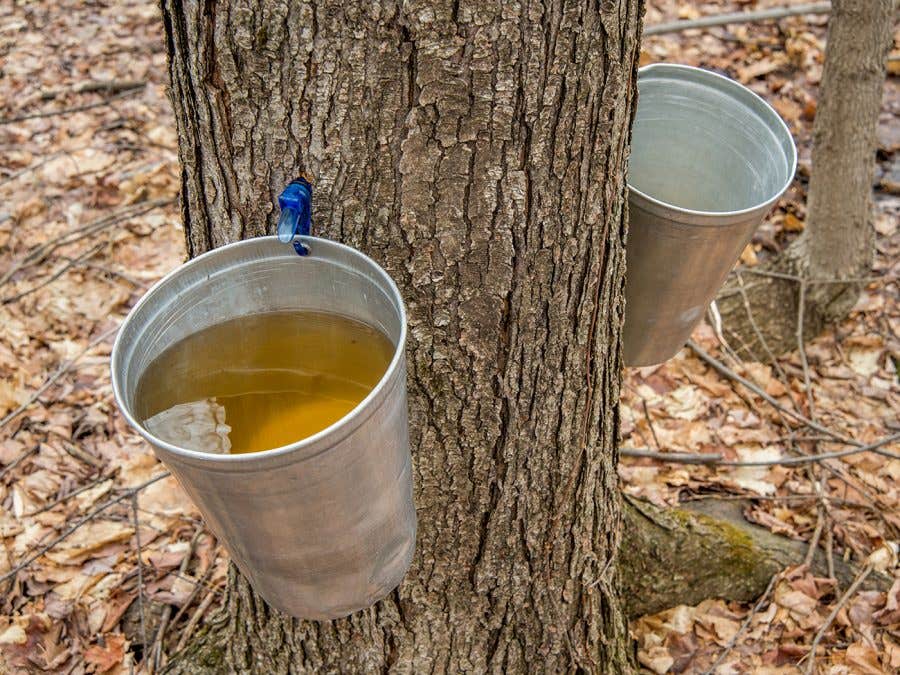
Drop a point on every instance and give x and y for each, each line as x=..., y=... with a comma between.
x=656, y=659
x=748, y=256
x=88, y=538
x=792, y=223
x=107, y=654
x=13, y=635
x=864, y=658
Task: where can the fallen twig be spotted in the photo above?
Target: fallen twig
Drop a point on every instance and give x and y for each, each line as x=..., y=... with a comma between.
x=140, y=567
x=760, y=336
x=155, y=652
x=198, y=585
x=817, y=533
x=39, y=253
x=728, y=372
x=717, y=459
x=69, y=531
x=90, y=86
x=73, y=493
x=738, y=17
x=87, y=255
x=12, y=465
x=811, y=663
x=195, y=619
x=73, y=109
x=744, y=626
x=804, y=362
x=62, y=370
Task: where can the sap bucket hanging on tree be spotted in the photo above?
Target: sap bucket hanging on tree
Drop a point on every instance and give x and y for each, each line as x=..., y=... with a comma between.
x=325, y=526
x=709, y=158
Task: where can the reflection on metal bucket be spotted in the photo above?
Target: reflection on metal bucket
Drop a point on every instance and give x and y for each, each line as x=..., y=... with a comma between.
x=709, y=158
x=325, y=526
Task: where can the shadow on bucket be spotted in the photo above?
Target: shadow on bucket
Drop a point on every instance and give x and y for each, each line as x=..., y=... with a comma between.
x=709, y=158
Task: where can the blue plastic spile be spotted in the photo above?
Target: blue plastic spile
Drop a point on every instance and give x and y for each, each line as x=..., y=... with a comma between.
x=295, y=202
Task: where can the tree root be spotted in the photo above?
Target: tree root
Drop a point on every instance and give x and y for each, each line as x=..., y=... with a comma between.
x=681, y=556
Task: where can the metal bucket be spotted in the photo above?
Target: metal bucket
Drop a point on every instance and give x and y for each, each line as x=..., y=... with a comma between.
x=323, y=527
x=709, y=158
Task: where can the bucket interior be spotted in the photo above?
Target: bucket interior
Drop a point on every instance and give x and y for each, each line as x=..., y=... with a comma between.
x=702, y=142
x=255, y=276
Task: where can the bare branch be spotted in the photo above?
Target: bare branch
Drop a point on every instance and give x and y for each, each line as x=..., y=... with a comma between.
x=62, y=370
x=90, y=516
x=738, y=17
x=728, y=372
x=717, y=460
x=73, y=109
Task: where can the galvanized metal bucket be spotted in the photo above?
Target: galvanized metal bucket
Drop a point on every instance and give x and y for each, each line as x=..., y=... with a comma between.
x=709, y=158
x=323, y=527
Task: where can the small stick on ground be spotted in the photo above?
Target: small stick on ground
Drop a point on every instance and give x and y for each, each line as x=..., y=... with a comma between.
x=785, y=381
x=738, y=17
x=140, y=566
x=62, y=370
x=12, y=465
x=199, y=584
x=728, y=372
x=811, y=663
x=807, y=382
x=90, y=516
x=73, y=109
x=73, y=493
x=817, y=534
x=90, y=86
x=829, y=556
x=156, y=650
x=84, y=257
x=744, y=626
x=195, y=619
x=717, y=460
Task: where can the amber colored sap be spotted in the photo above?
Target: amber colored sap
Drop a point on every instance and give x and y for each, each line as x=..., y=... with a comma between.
x=261, y=381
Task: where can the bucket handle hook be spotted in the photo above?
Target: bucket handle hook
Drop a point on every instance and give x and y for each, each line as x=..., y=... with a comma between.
x=295, y=202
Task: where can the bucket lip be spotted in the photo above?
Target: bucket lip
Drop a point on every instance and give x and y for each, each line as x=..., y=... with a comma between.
x=675, y=70
x=345, y=423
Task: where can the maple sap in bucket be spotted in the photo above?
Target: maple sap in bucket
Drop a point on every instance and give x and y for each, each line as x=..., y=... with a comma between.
x=261, y=381
x=273, y=386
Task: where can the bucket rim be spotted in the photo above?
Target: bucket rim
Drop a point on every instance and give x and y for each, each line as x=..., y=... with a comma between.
x=736, y=90
x=345, y=424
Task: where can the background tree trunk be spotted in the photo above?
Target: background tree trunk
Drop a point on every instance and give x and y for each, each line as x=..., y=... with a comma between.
x=838, y=242
x=476, y=151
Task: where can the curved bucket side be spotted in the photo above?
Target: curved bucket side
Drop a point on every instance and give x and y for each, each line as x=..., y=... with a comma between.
x=709, y=159
x=325, y=526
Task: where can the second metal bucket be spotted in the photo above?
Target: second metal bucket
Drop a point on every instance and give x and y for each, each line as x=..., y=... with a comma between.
x=709, y=158
x=325, y=526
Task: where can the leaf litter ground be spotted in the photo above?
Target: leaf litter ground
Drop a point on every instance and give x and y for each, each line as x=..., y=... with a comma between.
x=89, y=180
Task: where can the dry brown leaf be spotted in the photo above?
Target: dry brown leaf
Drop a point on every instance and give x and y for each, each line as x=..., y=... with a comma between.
x=657, y=659
x=864, y=659
x=748, y=256
x=792, y=223
x=108, y=653
x=13, y=635
x=90, y=537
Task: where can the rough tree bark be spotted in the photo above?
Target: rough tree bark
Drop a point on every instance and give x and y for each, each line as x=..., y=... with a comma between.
x=475, y=150
x=838, y=242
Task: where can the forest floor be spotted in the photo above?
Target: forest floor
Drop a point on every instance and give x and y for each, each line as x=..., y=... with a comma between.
x=89, y=181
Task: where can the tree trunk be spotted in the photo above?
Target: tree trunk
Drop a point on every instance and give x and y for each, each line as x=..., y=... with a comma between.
x=839, y=241
x=477, y=152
